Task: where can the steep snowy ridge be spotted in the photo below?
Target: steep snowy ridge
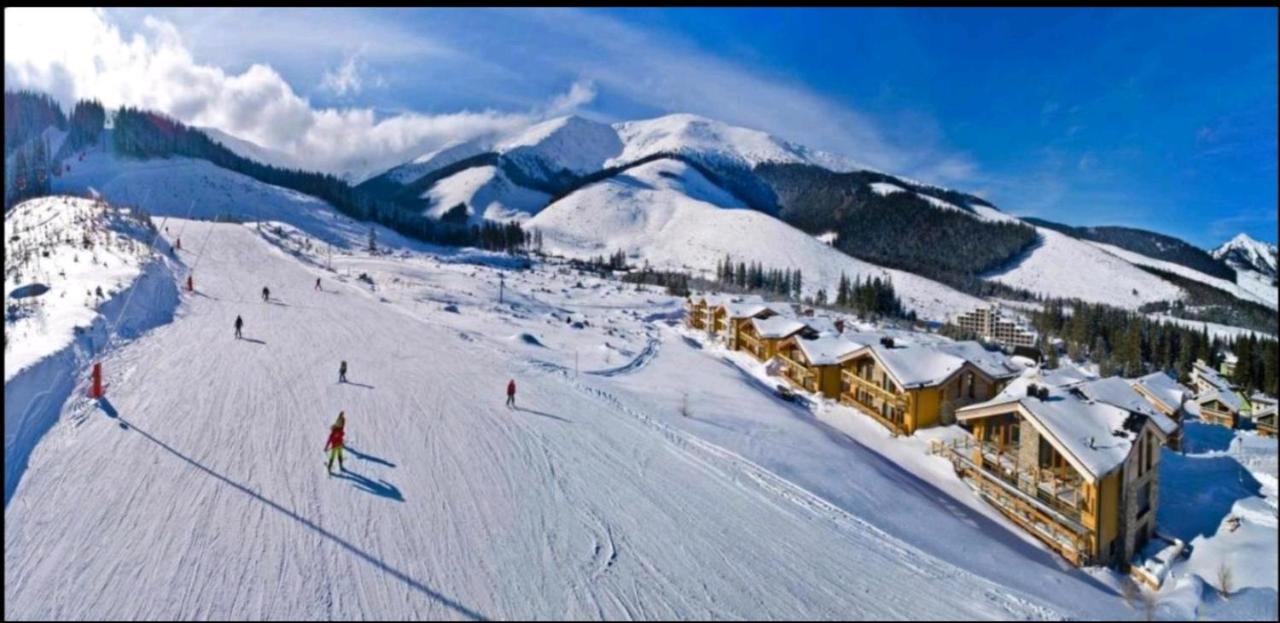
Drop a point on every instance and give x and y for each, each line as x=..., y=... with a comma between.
x=571, y=143
x=488, y=194
x=667, y=213
x=705, y=138
x=1245, y=253
x=252, y=151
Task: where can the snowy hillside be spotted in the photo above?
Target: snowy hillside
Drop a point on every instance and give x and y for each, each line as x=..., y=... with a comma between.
x=1268, y=298
x=643, y=473
x=64, y=258
x=252, y=151
x=436, y=160
x=1062, y=266
x=488, y=194
x=669, y=214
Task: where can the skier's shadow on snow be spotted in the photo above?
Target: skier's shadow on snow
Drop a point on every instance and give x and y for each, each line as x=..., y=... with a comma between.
x=109, y=410
x=253, y=340
x=363, y=555
x=550, y=415
x=366, y=457
x=380, y=487
x=279, y=303
x=355, y=384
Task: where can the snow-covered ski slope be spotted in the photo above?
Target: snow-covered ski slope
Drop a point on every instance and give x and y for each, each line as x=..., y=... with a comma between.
x=669, y=214
x=197, y=489
x=1268, y=297
x=1062, y=266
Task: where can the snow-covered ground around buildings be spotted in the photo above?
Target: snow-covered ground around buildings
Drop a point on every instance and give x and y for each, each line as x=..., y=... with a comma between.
x=1220, y=497
x=645, y=473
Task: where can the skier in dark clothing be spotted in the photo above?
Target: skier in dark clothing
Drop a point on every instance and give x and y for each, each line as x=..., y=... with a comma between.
x=239, y=324
x=317, y=283
x=266, y=294
x=342, y=371
x=511, y=393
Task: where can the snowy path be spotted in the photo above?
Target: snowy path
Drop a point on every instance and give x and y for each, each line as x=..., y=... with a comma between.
x=207, y=497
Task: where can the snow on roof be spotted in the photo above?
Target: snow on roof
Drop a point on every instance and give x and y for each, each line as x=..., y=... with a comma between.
x=823, y=325
x=1092, y=434
x=777, y=326
x=1227, y=397
x=827, y=350
x=992, y=363
x=1211, y=376
x=1117, y=392
x=1163, y=388
x=1064, y=375
x=916, y=365
x=745, y=310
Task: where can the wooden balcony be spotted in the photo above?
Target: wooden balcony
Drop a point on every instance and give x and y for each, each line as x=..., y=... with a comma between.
x=751, y=344
x=1046, y=503
x=798, y=374
x=851, y=397
x=893, y=398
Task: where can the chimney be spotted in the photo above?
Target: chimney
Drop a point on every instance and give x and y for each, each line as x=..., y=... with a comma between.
x=1033, y=391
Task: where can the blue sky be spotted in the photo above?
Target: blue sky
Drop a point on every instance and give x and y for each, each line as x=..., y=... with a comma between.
x=1162, y=119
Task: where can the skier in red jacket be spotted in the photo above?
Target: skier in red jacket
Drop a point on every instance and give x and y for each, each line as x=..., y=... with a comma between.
x=334, y=445
x=511, y=393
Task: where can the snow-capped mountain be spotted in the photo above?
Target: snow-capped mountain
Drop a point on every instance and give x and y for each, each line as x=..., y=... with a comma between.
x=437, y=159
x=668, y=213
x=1245, y=253
x=711, y=141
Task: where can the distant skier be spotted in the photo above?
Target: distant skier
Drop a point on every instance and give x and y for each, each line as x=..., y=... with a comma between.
x=266, y=294
x=334, y=445
x=511, y=393
x=318, y=284
x=342, y=371
x=179, y=243
x=239, y=324
x=190, y=285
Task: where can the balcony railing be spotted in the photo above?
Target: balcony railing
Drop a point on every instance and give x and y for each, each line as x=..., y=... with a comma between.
x=752, y=344
x=895, y=399
x=1061, y=490
x=798, y=373
x=1056, y=524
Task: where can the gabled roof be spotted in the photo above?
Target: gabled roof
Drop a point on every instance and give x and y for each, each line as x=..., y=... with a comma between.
x=1163, y=388
x=776, y=327
x=1228, y=398
x=746, y=310
x=1094, y=436
x=822, y=324
x=992, y=363
x=828, y=350
x=916, y=366
x=1117, y=392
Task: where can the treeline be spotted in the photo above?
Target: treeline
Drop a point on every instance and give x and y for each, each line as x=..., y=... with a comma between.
x=1148, y=243
x=901, y=229
x=755, y=277
x=871, y=298
x=1131, y=344
x=1207, y=303
x=88, y=118
x=31, y=174
x=676, y=283
x=27, y=114
x=147, y=134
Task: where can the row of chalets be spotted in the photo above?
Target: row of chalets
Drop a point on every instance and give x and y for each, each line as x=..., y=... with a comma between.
x=1072, y=459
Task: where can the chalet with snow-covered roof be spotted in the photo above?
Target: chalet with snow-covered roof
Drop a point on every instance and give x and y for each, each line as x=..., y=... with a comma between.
x=814, y=364
x=1168, y=396
x=1077, y=466
x=914, y=386
x=761, y=337
x=1219, y=404
x=737, y=316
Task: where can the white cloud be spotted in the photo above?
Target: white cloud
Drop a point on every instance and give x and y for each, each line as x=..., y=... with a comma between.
x=77, y=53
x=344, y=79
x=582, y=92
